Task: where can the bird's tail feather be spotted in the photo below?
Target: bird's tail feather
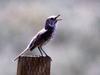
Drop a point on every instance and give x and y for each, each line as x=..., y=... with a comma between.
x=20, y=54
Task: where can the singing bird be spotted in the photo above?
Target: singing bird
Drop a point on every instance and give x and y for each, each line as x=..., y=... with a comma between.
x=43, y=36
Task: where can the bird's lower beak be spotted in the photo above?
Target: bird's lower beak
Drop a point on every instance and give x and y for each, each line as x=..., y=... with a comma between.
x=57, y=18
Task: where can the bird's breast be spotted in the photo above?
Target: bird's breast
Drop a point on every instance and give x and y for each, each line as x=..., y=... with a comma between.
x=46, y=37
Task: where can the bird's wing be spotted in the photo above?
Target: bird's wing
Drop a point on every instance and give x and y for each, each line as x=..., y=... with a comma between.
x=35, y=40
x=42, y=38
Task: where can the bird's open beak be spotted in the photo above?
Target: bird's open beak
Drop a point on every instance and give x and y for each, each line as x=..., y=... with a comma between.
x=58, y=18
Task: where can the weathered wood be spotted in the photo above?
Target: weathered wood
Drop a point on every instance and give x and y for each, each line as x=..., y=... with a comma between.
x=33, y=65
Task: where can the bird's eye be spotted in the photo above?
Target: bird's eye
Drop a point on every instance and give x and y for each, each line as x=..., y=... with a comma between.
x=52, y=18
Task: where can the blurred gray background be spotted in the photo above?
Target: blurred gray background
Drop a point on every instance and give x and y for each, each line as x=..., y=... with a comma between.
x=75, y=49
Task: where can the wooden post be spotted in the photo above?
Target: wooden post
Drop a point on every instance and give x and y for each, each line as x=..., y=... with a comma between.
x=33, y=65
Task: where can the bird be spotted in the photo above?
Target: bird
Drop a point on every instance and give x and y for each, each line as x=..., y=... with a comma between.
x=43, y=36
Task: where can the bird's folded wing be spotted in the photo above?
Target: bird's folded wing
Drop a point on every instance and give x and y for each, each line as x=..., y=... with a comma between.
x=35, y=39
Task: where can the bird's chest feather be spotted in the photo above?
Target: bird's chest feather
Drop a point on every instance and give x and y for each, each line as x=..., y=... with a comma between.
x=47, y=35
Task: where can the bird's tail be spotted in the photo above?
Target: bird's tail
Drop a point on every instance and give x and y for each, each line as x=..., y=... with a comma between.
x=20, y=54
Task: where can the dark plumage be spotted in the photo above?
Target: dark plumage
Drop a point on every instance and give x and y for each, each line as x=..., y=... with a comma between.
x=43, y=36
x=41, y=39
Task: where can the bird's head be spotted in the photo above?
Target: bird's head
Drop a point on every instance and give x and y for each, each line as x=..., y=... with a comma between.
x=51, y=21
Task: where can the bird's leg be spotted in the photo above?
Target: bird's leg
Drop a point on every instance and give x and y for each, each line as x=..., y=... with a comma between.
x=43, y=51
x=40, y=51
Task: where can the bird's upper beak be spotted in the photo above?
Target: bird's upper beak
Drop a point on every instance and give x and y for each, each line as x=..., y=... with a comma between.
x=58, y=18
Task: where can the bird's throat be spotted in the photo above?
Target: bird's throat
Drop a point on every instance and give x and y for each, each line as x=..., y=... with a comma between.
x=49, y=28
